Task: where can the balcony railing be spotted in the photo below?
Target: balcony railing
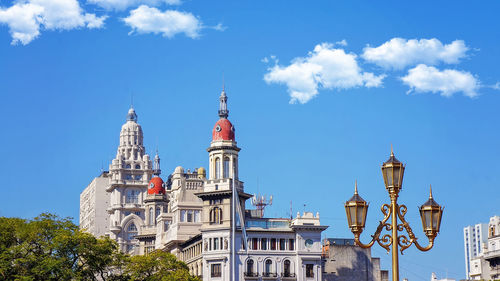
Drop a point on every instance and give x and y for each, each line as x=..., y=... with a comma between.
x=251, y=275
x=269, y=275
x=288, y=275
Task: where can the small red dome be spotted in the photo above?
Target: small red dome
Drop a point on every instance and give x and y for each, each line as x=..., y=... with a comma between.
x=223, y=130
x=156, y=186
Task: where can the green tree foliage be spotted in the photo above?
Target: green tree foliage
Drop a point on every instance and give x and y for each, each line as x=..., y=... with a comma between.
x=52, y=248
x=158, y=266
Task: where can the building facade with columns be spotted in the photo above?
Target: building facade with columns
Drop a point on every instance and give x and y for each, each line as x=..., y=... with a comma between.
x=201, y=217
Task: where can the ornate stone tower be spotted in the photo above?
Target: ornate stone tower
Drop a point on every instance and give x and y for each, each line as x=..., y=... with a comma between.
x=130, y=173
x=217, y=197
x=156, y=199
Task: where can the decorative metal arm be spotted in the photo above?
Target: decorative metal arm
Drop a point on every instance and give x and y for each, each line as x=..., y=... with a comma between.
x=403, y=241
x=386, y=241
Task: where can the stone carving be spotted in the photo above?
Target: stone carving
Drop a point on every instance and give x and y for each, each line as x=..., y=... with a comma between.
x=206, y=245
x=226, y=242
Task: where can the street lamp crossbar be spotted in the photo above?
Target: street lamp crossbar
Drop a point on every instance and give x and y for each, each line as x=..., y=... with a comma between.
x=430, y=213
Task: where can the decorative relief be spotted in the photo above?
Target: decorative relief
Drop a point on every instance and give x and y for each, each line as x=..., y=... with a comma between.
x=226, y=242
x=206, y=245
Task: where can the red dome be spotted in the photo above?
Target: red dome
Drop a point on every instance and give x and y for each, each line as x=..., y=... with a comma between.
x=156, y=186
x=223, y=130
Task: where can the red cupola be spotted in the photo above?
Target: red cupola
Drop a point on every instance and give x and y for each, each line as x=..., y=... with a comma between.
x=223, y=130
x=156, y=186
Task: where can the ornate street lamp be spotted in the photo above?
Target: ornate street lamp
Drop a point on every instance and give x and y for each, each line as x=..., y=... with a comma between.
x=356, y=209
x=430, y=212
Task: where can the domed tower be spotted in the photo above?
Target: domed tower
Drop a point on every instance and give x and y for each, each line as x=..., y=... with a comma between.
x=218, y=208
x=130, y=173
x=223, y=151
x=156, y=199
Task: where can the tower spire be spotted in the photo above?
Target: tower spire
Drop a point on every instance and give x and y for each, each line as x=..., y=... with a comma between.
x=156, y=165
x=223, y=112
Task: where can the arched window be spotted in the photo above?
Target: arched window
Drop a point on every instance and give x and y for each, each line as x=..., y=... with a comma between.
x=128, y=166
x=131, y=232
x=286, y=268
x=151, y=216
x=226, y=167
x=217, y=168
x=250, y=269
x=216, y=215
x=157, y=212
x=132, y=227
x=138, y=166
x=268, y=268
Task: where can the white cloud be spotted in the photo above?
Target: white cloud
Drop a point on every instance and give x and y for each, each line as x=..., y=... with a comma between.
x=120, y=5
x=425, y=78
x=26, y=18
x=399, y=53
x=324, y=67
x=343, y=42
x=146, y=19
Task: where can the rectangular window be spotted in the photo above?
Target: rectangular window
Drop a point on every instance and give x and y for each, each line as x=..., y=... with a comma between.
x=215, y=270
x=226, y=168
x=309, y=270
x=282, y=244
x=197, y=216
x=165, y=226
x=190, y=216
x=273, y=243
x=132, y=196
x=183, y=216
x=291, y=244
x=210, y=244
x=255, y=243
x=263, y=244
x=216, y=243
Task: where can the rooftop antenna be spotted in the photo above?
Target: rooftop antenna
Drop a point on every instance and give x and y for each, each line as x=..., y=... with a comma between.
x=260, y=202
x=291, y=210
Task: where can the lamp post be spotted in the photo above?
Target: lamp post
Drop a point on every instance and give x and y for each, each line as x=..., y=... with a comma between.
x=430, y=212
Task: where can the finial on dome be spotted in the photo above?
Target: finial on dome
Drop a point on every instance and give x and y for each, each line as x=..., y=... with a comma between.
x=131, y=115
x=223, y=112
x=430, y=193
x=355, y=186
x=392, y=151
x=156, y=165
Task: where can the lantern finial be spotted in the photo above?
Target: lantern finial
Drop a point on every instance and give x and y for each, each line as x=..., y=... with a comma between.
x=355, y=186
x=392, y=151
x=430, y=193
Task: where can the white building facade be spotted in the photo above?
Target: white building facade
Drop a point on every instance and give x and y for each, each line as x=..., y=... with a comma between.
x=474, y=238
x=486, y=265
x=94, y=201
x=194, y=214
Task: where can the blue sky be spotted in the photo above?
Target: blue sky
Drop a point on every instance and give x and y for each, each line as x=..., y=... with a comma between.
x=318, y=91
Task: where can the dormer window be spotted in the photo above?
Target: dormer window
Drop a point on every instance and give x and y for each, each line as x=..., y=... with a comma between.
x=216, y=215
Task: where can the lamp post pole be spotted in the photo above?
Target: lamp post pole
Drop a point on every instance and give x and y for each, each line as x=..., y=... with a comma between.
x=395, y=254
x=430, y=213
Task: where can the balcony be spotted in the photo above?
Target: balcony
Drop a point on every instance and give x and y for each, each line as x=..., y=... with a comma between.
x=269, y=276
x=115, y=229
x=251, y=275
x=288, y=276
x=492, y=255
